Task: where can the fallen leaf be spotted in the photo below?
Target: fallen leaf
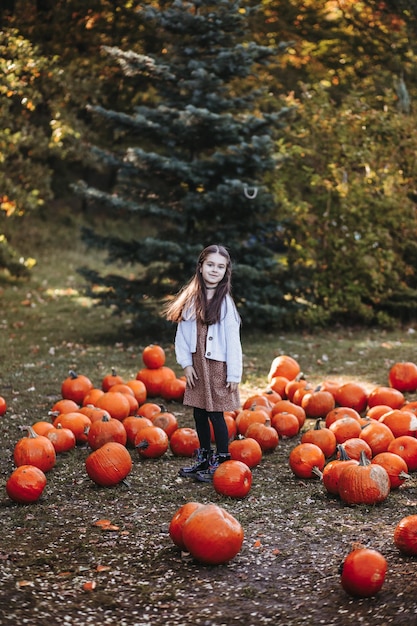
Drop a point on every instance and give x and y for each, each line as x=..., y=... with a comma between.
x=89, y=585
x=102, y=568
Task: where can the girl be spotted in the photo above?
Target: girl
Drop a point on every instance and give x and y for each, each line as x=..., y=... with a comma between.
x=207, y=346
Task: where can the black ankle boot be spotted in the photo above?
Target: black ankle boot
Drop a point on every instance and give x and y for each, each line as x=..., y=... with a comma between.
x=206, y=476
x=201, y=463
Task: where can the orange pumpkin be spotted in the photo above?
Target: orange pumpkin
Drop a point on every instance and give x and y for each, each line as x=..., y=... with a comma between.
x=42, y=427
x=75, y=387
x=139, y=390
x=111, y=379
x=3, y=406
x=293, y=386
x=247, y=450
x=352, y=395
x=233, y=479
x=249, y=416
x=173, y=389
x=377, y=435
x=317, y=403
x=115, y=403
x=256, y=401
x=386, y=395
x=306, y=459
x=75, y=421
x=109, y=465
x=92, y=397
x=375, y=412
x=63, y=439
x=184, y=442
x=339, y=412
x=133, y=424
x=212, y=535
x=354, y=446
x=284, y=365
x=324, y=438
x=151, y=442
x=266, y=436
x=278, y=384
x=363, y=572
x=286, y=406
x=333, y=469
x=406, y=447
x=345, y=428
x=395, y=466
x=94, y=413
x=167, y=421
x=400, y=422
x=286, y=424
x=26, y=484
x=64, y=406
x=178, y=520
x=403, y=376
x=34, y=450
x=153, y=379
x=365, y=483
x=153, y=356
x=405, y=535
x=150, y=410
x=105, y=430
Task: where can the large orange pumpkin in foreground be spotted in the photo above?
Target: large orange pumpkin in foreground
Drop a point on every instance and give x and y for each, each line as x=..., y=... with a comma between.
x=212, y=535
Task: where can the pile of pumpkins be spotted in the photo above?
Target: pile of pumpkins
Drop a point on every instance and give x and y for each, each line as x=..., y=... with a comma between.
x=362, y=445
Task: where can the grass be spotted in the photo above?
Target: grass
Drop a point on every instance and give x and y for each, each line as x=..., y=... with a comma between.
x=295, y=536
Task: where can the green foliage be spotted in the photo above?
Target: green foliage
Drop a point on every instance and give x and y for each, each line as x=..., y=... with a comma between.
x=352, y=207
x=25, y=177
x=193, y=162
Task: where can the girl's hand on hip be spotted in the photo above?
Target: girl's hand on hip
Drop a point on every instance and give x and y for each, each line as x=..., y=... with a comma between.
x=190, y=375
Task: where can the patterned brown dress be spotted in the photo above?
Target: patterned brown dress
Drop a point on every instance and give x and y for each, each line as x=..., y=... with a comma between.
x=209, y=391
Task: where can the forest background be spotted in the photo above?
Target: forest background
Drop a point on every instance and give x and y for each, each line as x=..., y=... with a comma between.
x=318, y=207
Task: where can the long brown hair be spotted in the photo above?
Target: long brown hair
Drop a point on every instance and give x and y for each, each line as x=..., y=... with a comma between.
x=193, y=295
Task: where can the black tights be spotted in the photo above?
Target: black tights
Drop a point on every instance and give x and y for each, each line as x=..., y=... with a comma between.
x=221, y=434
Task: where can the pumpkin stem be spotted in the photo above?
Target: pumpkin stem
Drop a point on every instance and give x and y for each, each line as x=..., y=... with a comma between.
x=126, y=483
x=142, y=445
x=363, y=459
x=30, y=432
x=72, y=374
x=315, y=470
x=317, y=424
x=403, y=475
x=343, y=455
x=113, y=371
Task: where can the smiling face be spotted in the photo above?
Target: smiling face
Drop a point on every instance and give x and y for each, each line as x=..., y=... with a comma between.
x=213, y=269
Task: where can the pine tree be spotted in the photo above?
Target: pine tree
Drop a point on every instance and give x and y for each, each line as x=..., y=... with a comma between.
x=191, y=160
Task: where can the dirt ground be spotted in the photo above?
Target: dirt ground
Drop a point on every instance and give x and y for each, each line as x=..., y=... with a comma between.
x=286, y=572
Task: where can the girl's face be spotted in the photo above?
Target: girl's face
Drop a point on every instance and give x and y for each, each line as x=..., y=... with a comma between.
x=213, y=269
